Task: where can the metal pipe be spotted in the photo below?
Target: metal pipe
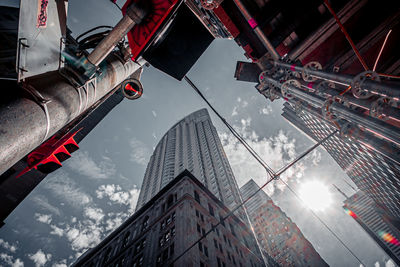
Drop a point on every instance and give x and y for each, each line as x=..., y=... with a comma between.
x=364, y=104
x=376, y=126
x=254, y=25
x=133, y=16
x=382, y=89
x=23, y=123
x=366, y=138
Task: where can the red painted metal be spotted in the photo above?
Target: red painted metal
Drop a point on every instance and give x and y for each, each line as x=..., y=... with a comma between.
x=47, y=152
x=226, y=20
x=141, y=34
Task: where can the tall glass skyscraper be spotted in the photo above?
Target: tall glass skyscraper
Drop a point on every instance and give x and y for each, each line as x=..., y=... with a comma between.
x=191, y=144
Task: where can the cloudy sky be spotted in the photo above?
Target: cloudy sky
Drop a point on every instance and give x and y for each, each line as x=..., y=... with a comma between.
x=75, y=207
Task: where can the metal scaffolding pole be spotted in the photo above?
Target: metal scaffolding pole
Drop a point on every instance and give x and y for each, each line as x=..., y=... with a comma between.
x=373, y=87
x=24, y=124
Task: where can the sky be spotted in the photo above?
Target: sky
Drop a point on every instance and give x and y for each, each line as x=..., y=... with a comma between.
x=75, y=207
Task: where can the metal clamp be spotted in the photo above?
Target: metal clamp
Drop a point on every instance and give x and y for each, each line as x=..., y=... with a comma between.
x=326, y=110
x=314, y=65
x=285, y=91
x=42, y=102
x=377, y=107
x=358, y=81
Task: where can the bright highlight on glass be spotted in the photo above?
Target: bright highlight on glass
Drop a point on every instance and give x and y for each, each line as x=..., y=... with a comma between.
x=315, y=195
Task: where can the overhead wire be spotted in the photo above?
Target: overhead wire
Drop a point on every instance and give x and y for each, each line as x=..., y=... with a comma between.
x=232, y=130
x=91, y=30
x=273, y=176
x=323, y=223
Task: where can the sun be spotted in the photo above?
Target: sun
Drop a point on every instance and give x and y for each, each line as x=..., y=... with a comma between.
x=315, y=195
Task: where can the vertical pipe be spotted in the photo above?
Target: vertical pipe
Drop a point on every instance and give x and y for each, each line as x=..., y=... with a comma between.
x=260, y=34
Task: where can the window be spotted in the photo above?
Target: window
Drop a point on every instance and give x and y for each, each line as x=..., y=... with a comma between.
x=205, y=251
x=225, y=238
x=197, y=197
x=145, y=223
x=203, y=232
x=216, y=229
x=197, y=214
x=202, y=217
x=198, y=228
x=202, y=264
x=211, y=209
x=220, y=248
x=200, y=246
x=219, y=262
x=215, y=244
x=232, y=229
x=126, y=239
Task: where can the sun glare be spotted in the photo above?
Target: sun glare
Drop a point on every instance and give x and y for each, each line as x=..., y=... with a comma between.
x=315, y=195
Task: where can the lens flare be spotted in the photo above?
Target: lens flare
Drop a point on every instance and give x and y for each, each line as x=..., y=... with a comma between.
x=351, y=213
x=315, y=195
x=387, y=237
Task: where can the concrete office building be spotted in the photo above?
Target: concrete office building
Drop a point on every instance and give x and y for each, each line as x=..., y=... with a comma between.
x=171, y=222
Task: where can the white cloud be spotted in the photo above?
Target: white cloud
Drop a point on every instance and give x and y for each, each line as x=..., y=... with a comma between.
x=154, y=113
x=239, y=99
x=9, y=260
x=390, y=263
x=140, y=152
x=154, y=135
x=117, y=195
x=8, y=246
x=56, y=231
x=82, y=163
x=43, y=218
x=276, y=151
x=315, y=157
x=62, y=263
x=244, y=104
x=43, y=202
x=66, y=189
x=234, y=112
x=95, y=214
x=266, y=110
x=377, y=264
x=40, y=258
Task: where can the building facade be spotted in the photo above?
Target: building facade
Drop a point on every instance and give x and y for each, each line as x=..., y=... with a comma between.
x=276, y=233
x=371, y=218
x=171, y=222
x=192, y=144
x=373, y=173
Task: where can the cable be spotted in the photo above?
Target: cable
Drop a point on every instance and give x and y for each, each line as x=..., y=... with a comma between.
x=380, y=51
x=91, y=30
x=321, y=221
x=274, y=176
x=115, y=3
x=232, y=130
x=346, y=34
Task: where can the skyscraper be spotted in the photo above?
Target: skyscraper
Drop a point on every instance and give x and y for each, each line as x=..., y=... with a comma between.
x=276, y=233
x=191, y=144
x=375, y=174
x=370, y=216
